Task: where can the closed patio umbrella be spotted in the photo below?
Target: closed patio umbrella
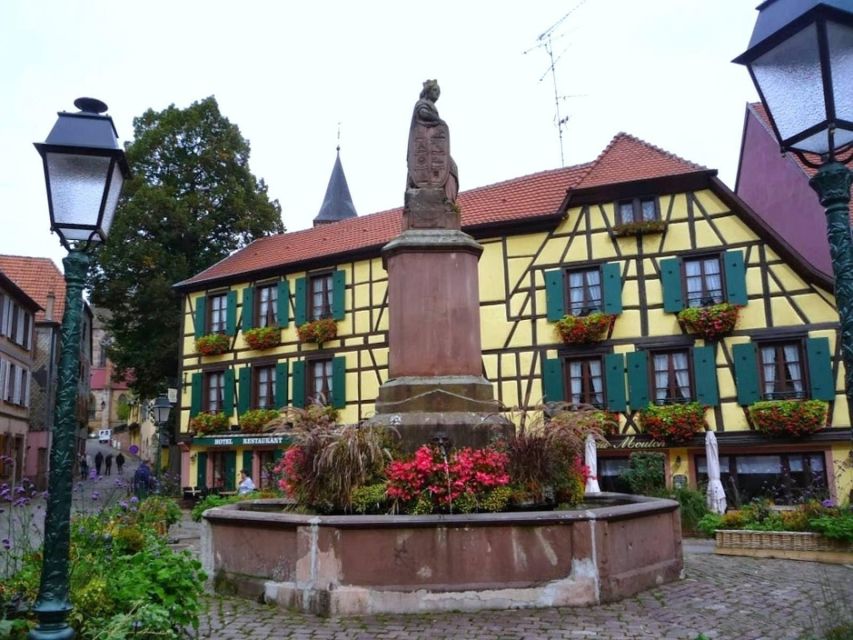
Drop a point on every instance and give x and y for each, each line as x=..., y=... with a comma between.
x=716, y=497
x=591, y=461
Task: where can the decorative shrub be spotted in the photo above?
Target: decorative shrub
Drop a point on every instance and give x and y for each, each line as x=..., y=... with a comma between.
x=209, y=422
x=791, y=418
x=213, y=344
x=645, y=473
x=640, y=227
x=584, y=329
x=673, y=422
x=254, y=420
x=318, y=331
x=262, y=337
x=711, y=323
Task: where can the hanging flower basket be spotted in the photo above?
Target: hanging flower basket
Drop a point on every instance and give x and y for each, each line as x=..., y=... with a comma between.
x=711, y=323
x=584, y=329
x=675, y=423
x=209, y=422
x=262, y=337
x=639, y=228
x=788, y=418
x=213, y=344
x=318, y=331
x=255, y=420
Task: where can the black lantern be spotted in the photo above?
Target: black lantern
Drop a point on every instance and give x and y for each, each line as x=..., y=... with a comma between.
x=800, y=58
x=84, y=168
x=161, y=408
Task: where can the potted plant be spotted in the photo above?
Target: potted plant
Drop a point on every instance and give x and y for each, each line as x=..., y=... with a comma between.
x=207, y=422
x=673, y=422
x=639, y=227
x=788, y=418
x=262, y=337
x=584, y=329
x=213, y=344
x=254, y=420
x=318, y=331
x=711, y=323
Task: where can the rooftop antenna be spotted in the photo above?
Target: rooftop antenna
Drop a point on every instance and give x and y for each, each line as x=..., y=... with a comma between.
x=545, y=41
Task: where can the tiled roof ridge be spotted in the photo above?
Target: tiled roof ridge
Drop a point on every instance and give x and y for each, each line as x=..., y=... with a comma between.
x=30, y=258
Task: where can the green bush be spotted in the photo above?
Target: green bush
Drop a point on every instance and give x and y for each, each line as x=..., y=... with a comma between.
x=693, y=507
x=370, y=498
x=645, y=474
x=837, y=527
x=210, y=502
x=709, y=523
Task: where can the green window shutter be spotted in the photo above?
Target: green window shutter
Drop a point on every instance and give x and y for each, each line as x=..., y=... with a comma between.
x=244, y=392
x=248, y=308
x=301, y=315
x=298, y=384
x=281, y=385
x=614, y=381
x=228, y=393
x=231, y=313
x=735, y=271
x=230, y=470
x=277, y=455
x=201, y=470
x=339, y=295
x=705, y=368
x=339, y=382
x=195, y=394
x=200, y=317
x=670, y=279
x=554, y=302
x=638, y=379
x=611, y=285
x=283, y=303
x=248, y=459
x=746, y=373
x=820, y=369
x=552, y=380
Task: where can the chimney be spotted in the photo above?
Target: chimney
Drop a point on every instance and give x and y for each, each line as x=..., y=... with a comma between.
x=51, y=299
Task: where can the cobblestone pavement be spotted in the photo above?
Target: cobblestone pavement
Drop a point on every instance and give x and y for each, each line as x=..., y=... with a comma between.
x=724, y=598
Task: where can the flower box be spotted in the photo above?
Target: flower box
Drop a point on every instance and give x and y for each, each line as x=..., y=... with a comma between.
x=318, y=331
x=676, y=423
x=639, y=228
x=793, y=545
x=584, y=329
x=712, y=322
x=788, y=418
x=213, y=344
x=261, y=338
x=209, y=422
x=254, y=420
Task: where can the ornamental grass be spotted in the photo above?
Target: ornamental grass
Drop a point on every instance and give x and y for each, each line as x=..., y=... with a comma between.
x=711, y=323
x=318, y=331
x=584, y=329
x=675, y=423
x=213, y=344
x=262, y=337
x=788, y=418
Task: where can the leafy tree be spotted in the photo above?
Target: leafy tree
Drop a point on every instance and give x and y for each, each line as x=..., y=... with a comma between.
x=191, y=202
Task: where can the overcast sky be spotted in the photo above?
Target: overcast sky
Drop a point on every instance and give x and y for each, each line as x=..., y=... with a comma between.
x=287, y=72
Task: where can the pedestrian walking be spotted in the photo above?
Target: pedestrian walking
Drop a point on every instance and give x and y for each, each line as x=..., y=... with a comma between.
x=108, y=464
x=84, y=466
x=119, y=462
x=142, y=480
x=99, y=461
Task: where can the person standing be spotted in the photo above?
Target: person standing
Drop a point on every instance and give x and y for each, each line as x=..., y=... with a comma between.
x=119, y=462
x=108, y=464
x=84, y=467
x=99, y=461
x=142, y=480
x=246, y=485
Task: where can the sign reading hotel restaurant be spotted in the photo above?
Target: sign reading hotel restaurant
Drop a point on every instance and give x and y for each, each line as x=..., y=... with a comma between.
x=242, y=440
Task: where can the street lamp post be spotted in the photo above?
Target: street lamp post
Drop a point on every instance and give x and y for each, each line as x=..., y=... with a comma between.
x=161, y=407
x=84, y=169
x=800, y=58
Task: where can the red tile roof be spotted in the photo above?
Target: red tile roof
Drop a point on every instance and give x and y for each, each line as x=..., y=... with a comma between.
x=98, y=379
x=626, y=159
x=38, y=277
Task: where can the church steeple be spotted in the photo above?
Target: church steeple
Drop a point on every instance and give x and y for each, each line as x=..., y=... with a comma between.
x=337, y=204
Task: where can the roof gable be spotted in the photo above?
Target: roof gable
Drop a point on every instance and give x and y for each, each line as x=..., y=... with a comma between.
x=38, y=278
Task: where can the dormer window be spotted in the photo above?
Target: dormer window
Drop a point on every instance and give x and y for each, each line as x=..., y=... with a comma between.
x=637, y=210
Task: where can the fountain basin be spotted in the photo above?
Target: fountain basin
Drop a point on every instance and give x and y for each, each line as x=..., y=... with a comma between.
x=349, y=565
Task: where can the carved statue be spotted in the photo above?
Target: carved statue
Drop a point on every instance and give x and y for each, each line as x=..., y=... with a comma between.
x=428, y=157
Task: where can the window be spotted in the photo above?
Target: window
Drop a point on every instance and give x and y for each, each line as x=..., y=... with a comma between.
x=637, y=210
x=586, y=383
x=224, y=466
x=214, y=386
x=321, y=287
x=703, y=281
x=584, y=291
x=267, y=460
x=267, y=301
x=781, y=370
x=218, y=307
x=320, y=381
x=610, y=474
x=264, y=396
x=671, y=380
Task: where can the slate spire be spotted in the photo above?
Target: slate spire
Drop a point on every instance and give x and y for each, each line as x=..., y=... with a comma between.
x=337, y=204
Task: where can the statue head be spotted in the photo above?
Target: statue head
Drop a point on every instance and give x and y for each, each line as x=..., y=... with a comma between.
x=431, y=90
